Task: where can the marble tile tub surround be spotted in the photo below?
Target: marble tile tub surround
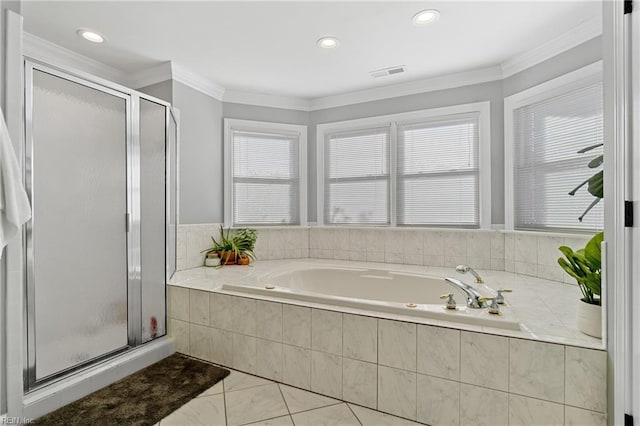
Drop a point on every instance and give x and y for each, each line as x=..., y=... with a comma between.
x=527, y=253
x=426, y=373
x=545, y=309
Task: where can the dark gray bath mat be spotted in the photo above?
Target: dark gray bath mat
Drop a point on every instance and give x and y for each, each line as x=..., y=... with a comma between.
x=143, y=398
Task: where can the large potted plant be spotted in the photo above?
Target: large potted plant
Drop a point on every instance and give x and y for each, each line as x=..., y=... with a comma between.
x=585, y=266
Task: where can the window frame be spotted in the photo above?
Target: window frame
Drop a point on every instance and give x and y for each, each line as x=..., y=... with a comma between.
x=541, y=92
x=483, y=109
x=231, y=125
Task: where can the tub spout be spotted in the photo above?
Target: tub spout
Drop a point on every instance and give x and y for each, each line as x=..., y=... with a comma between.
x=473, y=297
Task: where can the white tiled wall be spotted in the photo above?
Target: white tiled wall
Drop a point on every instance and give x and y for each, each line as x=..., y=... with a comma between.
x=527, y=253
x=272, y=243
x=431, y=374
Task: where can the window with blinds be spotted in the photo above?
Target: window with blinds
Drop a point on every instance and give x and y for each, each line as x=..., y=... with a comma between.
x=547, y=136
x=266, y=178
x=438, y=174
x=356, y=175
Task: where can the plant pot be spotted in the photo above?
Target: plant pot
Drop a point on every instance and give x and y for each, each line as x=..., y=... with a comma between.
x=211, y=261
x=244, y=260
x=213, y=255
x=590, y=319
x=227, y=257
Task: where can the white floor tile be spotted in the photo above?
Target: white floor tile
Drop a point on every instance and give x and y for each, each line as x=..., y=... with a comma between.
x=254, y=404
x=237, y=380
x=334, y=415
x=213, y=390
x=370, y=417
x=205, y=411
x=278, y=421
x=300, y=400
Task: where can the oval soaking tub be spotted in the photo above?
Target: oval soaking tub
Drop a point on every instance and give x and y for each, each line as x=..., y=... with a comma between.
x=403, y=293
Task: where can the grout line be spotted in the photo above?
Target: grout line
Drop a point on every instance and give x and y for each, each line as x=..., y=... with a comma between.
x=415, y=410
x=264, y=420
x=564, y=374
x=564, y=385
x=224, y=401
x=338, y=402
x=284, y=399
x=459, y=375
x=354, y=414
x=377, y=362
x=509, y=379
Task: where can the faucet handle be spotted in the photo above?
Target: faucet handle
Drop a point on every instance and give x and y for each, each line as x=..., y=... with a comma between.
x=500, y=297
x=451, y=303
x=494, y=307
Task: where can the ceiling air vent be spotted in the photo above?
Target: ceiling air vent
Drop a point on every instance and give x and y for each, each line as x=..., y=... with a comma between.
x=388, y=71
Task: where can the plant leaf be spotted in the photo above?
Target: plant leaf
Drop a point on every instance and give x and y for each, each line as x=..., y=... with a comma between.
x=589, y=148
x=596, y=184
x=596, y=162
x=592, y=282
x=568, y=268
x=592, y=252
x=588, y=209
x=574, y=190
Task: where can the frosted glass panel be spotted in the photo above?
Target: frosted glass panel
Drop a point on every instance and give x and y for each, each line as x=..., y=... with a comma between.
x=152, y=217
x=79, y=236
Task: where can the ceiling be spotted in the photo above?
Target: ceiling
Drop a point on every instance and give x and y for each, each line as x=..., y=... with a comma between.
x=270, y=47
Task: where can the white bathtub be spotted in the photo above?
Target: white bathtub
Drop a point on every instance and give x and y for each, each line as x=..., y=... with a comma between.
x=381, y=290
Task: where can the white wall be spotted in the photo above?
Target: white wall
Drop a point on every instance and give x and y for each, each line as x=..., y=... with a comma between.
x=200, y=155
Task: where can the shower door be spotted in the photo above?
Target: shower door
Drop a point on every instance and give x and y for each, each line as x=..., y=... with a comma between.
x=81, y=272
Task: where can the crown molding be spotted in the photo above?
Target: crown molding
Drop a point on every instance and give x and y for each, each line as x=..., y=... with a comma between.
x=150, y=76
x=572, y=38
x=433, y=84
x=52, y=54
x=197, y=82
x=265, y=100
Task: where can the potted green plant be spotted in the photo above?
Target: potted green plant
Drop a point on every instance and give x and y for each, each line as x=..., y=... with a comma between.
x=245, y=239
x=231, y=249
x=585, y=266
x=225, y=248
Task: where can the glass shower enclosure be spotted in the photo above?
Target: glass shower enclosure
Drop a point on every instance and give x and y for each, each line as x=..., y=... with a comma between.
x=101, y=176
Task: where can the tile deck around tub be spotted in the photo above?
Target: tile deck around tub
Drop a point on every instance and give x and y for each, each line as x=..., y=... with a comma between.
x=243, y=399
x=431, y=372
x=547, y=309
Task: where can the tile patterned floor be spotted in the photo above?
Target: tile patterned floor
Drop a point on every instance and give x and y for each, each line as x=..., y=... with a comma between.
x=242, y=399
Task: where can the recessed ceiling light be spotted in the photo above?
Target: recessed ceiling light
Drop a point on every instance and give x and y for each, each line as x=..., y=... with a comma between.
x=425, y=17
x=89, y=35
x=328, y=42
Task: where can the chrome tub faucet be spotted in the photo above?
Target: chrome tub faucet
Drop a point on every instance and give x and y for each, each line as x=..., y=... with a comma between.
x=473, y=297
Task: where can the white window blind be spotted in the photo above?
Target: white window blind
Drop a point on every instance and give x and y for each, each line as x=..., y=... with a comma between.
x=547, y=136
x=357, y=177
x=438, y=172
x=266, y=178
